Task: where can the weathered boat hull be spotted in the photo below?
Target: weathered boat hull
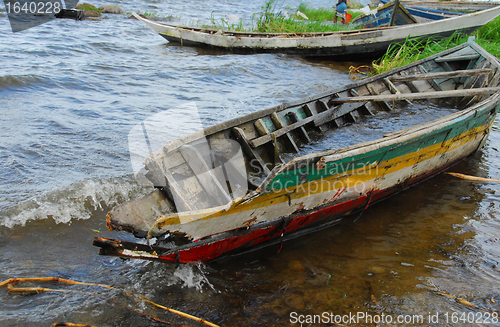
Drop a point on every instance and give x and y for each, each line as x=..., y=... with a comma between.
x=453, y=6
x=463, y=140
x=390, y=14
x=316, y=190
x=430, y=14
x=344, y=44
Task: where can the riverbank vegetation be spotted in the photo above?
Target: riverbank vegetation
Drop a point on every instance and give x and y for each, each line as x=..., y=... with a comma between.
x=304, y=19
x=488, y=37
x=276, y=18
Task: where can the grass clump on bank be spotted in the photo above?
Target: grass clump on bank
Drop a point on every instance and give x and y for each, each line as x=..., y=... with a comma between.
x=273, y=21
x=315, y=14
x=321, y=14
x=151, y=15
x=87, y=6
x=488, y=37
x=412, y=50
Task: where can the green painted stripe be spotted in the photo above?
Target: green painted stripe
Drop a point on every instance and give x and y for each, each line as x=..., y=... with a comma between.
x=347, y=165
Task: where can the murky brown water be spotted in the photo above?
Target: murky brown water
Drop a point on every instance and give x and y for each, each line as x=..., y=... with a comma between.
x=69, y=97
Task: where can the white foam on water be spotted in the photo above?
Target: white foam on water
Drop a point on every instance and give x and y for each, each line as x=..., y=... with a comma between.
x=193, y=276
x=76, y=201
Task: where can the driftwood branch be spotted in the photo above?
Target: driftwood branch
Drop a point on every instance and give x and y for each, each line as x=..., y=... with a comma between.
x=70, y=324
x=474, y=178
x=13, y=281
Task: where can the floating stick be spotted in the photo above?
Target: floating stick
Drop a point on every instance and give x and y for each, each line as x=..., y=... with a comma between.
x=14, y=281
x=70, y=324
x=474, y=178
x=465, y=302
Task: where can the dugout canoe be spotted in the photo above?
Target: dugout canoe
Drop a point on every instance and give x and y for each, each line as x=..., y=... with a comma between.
x=245, y=183
x=341, y=44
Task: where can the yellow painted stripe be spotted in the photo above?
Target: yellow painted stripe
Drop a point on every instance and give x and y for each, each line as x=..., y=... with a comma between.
x=345, y=179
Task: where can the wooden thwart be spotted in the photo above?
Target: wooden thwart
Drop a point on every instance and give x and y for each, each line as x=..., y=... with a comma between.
x=458, y=58
x=279, y=124
x=318, y=120
x=453, y=74
x=383, y=104
x=423, y=95
x=241, y=137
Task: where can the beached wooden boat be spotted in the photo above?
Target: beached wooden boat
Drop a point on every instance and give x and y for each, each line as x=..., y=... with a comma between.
x=254, y=180
x=342, y=44
x=424, y=14
x=452, y=6
x=390, y=14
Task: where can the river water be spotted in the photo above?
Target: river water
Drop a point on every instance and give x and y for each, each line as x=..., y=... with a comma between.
x=70, y=92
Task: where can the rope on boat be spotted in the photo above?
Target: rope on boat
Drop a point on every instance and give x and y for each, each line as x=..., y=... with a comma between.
x=13, y=281
x=355, y=72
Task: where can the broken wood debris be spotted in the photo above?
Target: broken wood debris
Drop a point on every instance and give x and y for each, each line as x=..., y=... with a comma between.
x=13, y=281
x=473, y=178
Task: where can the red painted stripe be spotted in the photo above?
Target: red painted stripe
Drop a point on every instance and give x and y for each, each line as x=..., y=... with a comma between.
x=213, y=250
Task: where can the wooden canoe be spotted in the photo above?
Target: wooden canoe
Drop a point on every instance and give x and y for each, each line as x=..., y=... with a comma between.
x=342, y=44
x=424, y=14
x=390, y=14
x=452, y=6
x=199, y=213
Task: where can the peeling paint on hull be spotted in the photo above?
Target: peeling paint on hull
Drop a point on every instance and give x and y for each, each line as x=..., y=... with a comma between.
x=280, y=229
x=317, y=190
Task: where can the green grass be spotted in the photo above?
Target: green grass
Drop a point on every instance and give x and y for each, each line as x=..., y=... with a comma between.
x=315, y=14
x=274, y=18
x=488, y=36
x=412, y=50
x=86, y=6
x=271, y=20
x=322, y=14
x=151, y=15
x=279, y=24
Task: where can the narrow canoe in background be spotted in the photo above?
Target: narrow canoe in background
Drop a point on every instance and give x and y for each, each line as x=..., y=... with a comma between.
x=341, y=44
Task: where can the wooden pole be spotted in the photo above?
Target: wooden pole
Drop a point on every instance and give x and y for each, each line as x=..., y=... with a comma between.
x=453, y=74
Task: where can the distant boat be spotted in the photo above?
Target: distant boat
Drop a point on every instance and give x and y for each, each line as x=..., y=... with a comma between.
x=341, y=44
x=426, y=13
x=452, y=6
x=246, y=183
x=390, y=14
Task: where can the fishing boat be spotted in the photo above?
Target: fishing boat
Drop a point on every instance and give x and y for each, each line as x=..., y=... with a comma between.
x=424, y=14
x=451, y=6
x=253, y=181
x=390, y=14
x=338, y=44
